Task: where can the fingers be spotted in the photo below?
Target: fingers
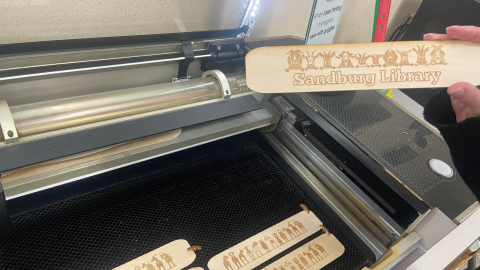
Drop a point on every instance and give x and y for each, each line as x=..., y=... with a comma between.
x=470, y=33
x=436, y=37
x=466, y=93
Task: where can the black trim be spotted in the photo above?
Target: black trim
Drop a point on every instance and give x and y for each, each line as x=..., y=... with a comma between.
x=31, y=152
x=358, y=153
x=97, y=43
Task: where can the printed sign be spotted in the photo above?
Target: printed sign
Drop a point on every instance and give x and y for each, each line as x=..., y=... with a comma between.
x=323, y=22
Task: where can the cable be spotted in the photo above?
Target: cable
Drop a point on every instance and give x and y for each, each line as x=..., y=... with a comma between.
x=401, y=29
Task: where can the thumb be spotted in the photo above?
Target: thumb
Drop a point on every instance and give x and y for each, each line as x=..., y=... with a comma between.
x=466, y=93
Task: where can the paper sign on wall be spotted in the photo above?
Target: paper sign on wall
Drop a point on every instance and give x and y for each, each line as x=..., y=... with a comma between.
x=323, y=22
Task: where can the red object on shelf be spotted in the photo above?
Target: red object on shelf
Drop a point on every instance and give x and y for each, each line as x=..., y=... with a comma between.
x=382, y=20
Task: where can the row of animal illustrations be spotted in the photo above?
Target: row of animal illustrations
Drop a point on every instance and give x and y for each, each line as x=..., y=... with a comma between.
x=294, y=229
x=390, y=58
x=160, y=265
x=314, y=254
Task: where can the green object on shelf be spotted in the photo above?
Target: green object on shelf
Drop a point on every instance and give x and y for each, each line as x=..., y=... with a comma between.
x=377, y=3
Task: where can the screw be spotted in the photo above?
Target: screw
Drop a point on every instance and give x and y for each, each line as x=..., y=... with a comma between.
x=219, y=48
x=238, y=46
x=10, y=133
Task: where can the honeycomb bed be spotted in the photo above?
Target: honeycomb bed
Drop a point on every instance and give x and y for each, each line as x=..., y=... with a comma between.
x=216, y=202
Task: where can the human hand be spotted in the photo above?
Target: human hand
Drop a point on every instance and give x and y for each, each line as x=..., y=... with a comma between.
x=465, y=97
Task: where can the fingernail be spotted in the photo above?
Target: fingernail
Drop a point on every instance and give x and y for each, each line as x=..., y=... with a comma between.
x=452, y=26
x=457, y=92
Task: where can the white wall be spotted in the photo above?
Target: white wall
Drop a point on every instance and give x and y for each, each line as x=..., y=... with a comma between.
x=37, y=20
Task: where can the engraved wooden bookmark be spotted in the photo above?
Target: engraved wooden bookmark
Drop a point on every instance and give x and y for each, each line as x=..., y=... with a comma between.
x=265, y=245
x=172, y=256
x=362, y=66
x=314, y=255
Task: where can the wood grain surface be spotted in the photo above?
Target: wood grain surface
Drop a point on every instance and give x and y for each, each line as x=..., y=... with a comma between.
x=172, y=256
x=362, y=66
x=313, y=255
x=265, y=245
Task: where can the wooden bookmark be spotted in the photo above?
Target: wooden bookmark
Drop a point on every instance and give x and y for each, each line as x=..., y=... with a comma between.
x=265, y=245
x=314, y=255
x=172, y=256
x=362, y=66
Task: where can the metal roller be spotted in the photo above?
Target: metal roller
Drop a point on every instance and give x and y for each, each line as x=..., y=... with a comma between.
x=58, y=114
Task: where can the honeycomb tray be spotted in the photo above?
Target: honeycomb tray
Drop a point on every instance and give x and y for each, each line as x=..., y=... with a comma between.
x=215, y=202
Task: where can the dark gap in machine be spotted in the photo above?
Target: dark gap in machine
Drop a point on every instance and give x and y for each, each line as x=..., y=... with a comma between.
x=394, y=205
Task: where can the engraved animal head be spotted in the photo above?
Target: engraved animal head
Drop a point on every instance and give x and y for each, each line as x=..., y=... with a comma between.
x=362, y=59
x=294, y=57
x=362, y=56
x=437, y=52
x=154, y=259
x=296, y=260
x=390, y=56
x=421, y=52
x=261, y=241
x=246, y=248
x=275, y=235
x=310, y=57
x=346, y=55
x=404, y=55
x=327, y=57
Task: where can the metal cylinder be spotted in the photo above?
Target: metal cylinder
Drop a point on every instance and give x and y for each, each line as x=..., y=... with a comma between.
x=58, y=114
